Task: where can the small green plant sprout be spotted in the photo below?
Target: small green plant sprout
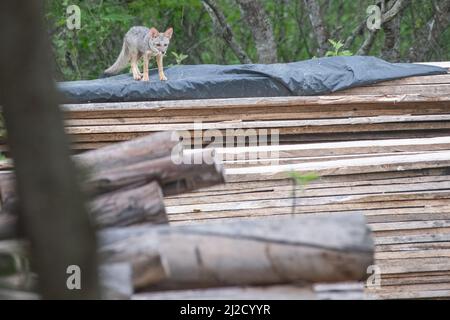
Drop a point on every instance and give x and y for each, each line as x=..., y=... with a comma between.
x=180, y=57
x=337, y=46
x=300, y=180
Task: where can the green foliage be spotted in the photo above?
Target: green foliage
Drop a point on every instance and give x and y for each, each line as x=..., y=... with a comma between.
x=303, y=179
x=85, y=53
x=300, y=180
x=337, y=46
x=179, y=57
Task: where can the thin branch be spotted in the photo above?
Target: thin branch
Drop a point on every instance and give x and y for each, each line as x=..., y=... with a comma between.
x=395, y=10
x=224, y=29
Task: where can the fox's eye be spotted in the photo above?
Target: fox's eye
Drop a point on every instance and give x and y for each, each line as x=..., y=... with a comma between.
x=165, y=45
x=158, y=44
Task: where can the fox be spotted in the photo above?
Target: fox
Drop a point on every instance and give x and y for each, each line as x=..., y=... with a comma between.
x=142, y=42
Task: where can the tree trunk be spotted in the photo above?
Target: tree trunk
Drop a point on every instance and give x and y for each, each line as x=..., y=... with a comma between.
x=391, y=48
x=123, y=208
x=318, y=26
x=258, y=21
x=52, y=209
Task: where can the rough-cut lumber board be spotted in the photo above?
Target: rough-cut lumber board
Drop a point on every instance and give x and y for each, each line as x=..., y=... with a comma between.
x=377, y=215
x=297, y=126
x=281, y=113
x=422, y=80
x=288, y=202
x=341, y=167
x=412, y=239
x=127, y=207
x=281, y=192
x=334, y=148
x=96, y=109
x=413, y=254
x=317, y=249
x=384, y=178
x=314, y=186
x=406, y=294
x=440, y=89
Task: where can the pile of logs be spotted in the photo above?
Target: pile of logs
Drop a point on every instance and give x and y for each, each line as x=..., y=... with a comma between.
x=275, y=258
x=126, y=182
x=262, y=252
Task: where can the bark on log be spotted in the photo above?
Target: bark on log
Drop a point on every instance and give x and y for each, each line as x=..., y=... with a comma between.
x=120, y=208
x=175, y=174
x=117, y=155
x=123, y=208
x=273, y=250
x=132, y=165
x=116, y=281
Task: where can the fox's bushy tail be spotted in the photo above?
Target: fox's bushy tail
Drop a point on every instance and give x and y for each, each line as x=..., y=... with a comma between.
x=120, y=63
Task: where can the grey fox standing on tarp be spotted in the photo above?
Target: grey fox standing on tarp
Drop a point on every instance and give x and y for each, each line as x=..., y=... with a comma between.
x=142, y=42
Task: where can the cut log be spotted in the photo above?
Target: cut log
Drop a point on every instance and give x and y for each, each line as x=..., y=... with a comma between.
x=131, y=206
x=116, y=281
x=120, y=208
x=270, y=251
x=117, y=155
x=175, y=174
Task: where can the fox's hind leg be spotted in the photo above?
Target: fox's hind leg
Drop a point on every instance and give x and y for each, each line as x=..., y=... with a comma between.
x=134, y=67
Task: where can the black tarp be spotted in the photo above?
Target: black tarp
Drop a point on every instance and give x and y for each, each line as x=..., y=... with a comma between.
x=310, y=77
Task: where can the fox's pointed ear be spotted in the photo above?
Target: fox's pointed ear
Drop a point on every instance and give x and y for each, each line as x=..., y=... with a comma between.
x=169, y=33
x=154, y=33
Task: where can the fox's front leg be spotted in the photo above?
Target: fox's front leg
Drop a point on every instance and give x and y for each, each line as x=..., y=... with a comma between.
x=145, y=71
x=159, y=61
x=135, y=69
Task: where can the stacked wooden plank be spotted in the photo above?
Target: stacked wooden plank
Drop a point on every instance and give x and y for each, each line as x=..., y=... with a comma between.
x=403, y=190
x=294, y=119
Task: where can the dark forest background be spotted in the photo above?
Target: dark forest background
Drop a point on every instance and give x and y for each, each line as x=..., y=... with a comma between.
x=243, y=31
